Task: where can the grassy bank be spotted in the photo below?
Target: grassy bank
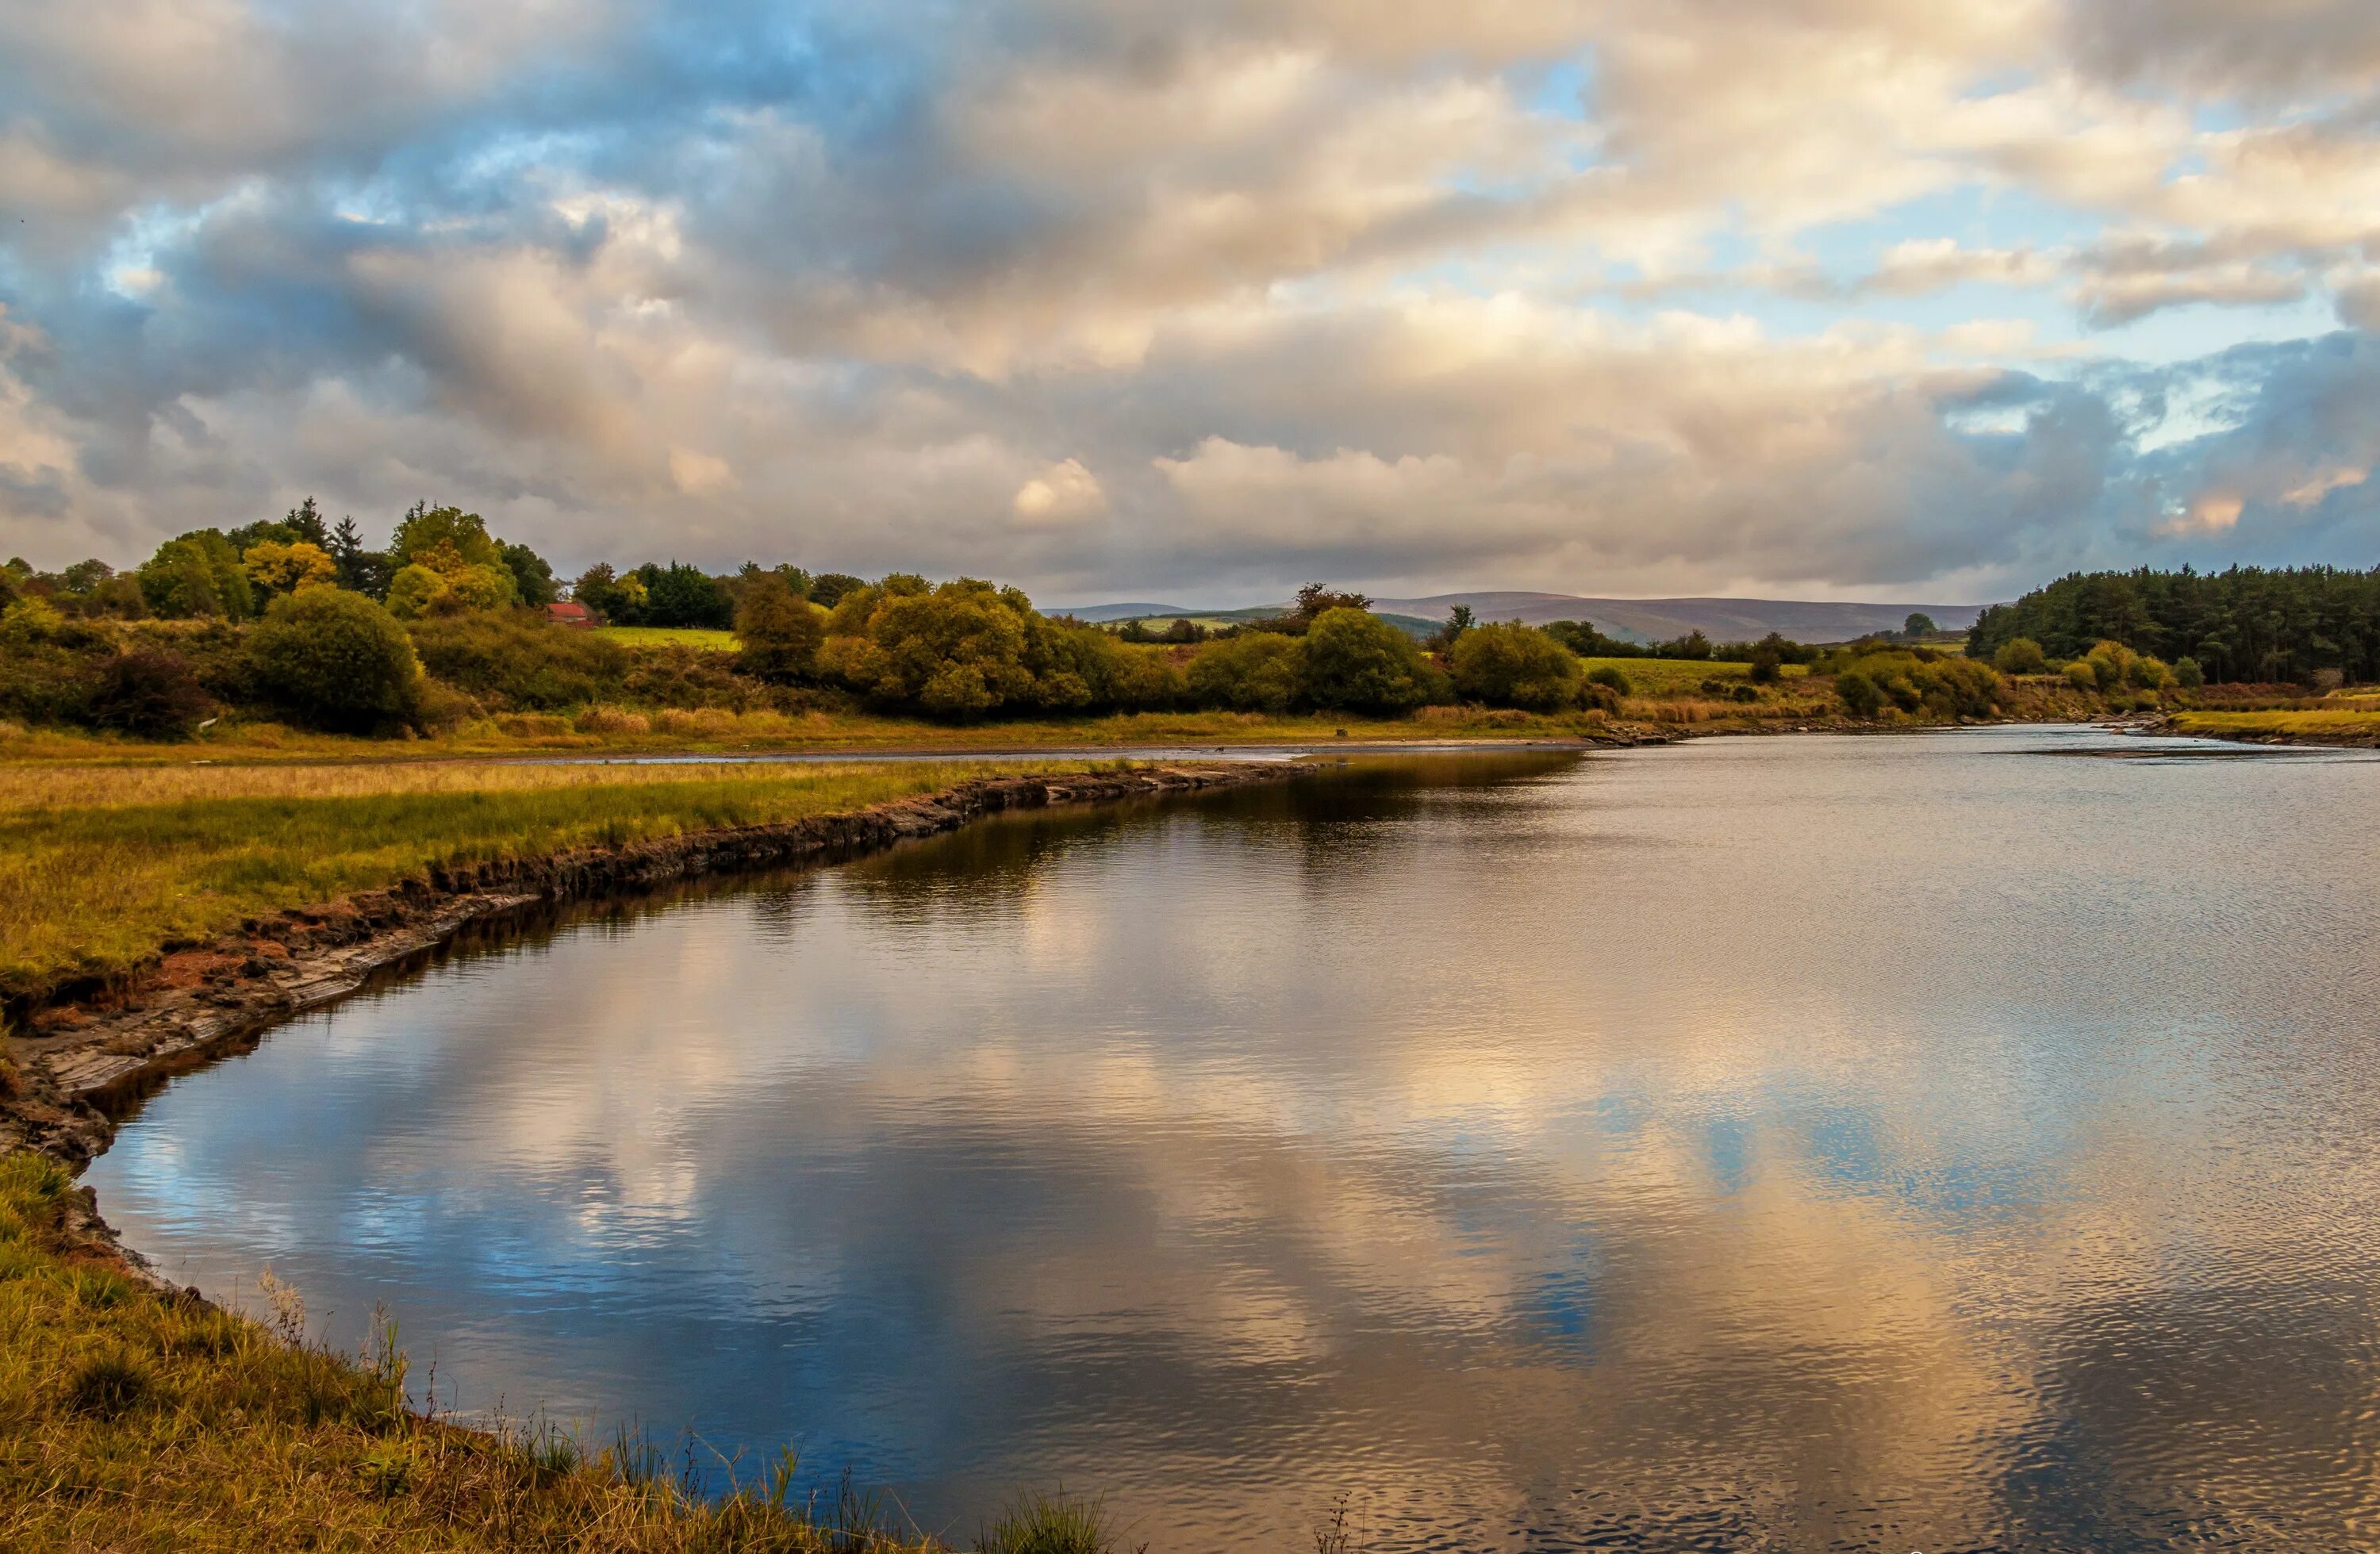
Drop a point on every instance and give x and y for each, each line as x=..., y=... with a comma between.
x=617, y=731
x=130, y=1419
x=100, y=865
x=2353, y=726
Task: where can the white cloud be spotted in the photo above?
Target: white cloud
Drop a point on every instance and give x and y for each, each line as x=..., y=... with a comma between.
x=1063, y=495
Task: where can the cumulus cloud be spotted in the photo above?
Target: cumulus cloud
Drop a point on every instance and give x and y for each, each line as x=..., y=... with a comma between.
x=1110, y=295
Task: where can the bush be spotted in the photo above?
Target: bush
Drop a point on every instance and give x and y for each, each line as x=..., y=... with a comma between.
x=1861, y=696
x=1606, y=675
x=148, y=695
x=337, y=661
x=780, y=631
x=517, y=659
x=2188, y=674
x=1768, y=666
x=2083, y=674
x=2022, y=655
x=1513, y=665
x=2146, y=674
x=1256, y=671
x=1358, y=663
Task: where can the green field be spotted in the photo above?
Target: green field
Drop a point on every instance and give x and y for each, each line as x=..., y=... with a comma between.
x=697, y=638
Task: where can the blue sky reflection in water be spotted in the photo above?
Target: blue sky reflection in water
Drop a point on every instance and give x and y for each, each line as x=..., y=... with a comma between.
x=1956, y=1141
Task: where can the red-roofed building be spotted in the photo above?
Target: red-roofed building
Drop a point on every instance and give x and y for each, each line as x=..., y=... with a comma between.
x=569, y=612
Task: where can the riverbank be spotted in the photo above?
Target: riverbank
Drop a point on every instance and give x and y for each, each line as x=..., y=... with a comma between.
x=139, y=1415
x=2348, y=728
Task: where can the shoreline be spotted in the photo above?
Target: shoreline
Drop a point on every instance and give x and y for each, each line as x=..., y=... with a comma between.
x=88, y=1059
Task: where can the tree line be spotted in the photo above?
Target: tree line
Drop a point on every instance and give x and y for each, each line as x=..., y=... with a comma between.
x=2247, y=623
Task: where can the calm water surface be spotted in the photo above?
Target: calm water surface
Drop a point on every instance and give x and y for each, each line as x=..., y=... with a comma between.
x=1962, y=1141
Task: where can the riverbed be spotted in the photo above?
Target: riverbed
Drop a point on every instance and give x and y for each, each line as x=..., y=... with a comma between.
x=1957, y=1140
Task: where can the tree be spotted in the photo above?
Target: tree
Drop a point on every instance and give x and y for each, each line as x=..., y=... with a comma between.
x=1917, y=625
x=1861, y=696
x=1255, y=672
x=1514, y=666
x=828, y=587
x=532, y=577
x=1458, y=621
x=1313, y=601
x=198, y=574
x=2188, y=674
x=305, y=523
x=360, y=571
x=2021, y=655
x=413, y=590
x=1768, y=665
x=335, y=659
x=285, y=568
x=680, y=595
x=1356, y=661
x=425, y=528
x=780, y=630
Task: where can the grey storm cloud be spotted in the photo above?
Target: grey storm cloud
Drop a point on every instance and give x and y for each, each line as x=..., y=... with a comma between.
x=1123, y=295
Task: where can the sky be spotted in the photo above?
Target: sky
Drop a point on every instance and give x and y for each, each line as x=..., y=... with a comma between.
x=1196, y=300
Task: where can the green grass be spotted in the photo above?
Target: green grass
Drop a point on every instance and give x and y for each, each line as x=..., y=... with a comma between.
x=669, y=636
x=99, y=865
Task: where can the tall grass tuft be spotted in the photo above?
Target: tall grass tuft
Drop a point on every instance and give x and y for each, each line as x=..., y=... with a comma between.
x=1058, y=1523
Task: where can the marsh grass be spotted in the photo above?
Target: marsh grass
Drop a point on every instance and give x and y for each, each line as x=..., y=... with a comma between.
x=134, y=1419
x=2353, y=724
x=100, y=865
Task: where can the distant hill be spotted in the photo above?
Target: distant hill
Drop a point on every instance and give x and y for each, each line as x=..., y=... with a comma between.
x=1633, y=620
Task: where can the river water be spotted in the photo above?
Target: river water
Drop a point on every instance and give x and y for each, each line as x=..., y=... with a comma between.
x=1955, y=1141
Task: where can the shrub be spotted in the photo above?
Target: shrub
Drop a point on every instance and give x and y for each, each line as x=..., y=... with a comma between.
x=780, y=631
x=1359, y=662
x=2021, y=655
x=1606, y=675
x=1255, y=672
x=335, y=659
x=1861, y=696
x=611, y=719
x=2145, y=673
x=1513, y=665
x=2110, y=661
x=2083, y=674
x=1768, y=665
x=148, y=695
x=517, y=659
x=2188, y=674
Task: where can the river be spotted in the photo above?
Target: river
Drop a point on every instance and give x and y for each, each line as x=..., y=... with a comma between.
x=1957, y=1141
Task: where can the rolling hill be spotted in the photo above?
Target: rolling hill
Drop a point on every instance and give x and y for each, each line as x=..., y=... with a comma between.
x=1634, y=620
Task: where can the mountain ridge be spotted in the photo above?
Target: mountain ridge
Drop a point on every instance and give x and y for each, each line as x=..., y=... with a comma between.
x=1634, y=620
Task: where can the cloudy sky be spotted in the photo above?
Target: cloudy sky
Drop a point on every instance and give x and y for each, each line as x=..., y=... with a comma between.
x=1198, y=298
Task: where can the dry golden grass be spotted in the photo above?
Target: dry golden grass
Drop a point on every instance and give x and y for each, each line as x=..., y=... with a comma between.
x=2319, y=726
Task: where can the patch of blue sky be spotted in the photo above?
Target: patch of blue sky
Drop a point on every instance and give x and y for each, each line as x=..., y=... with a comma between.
x=1563, y=89
x=1974, y=217
x=2203, y=329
